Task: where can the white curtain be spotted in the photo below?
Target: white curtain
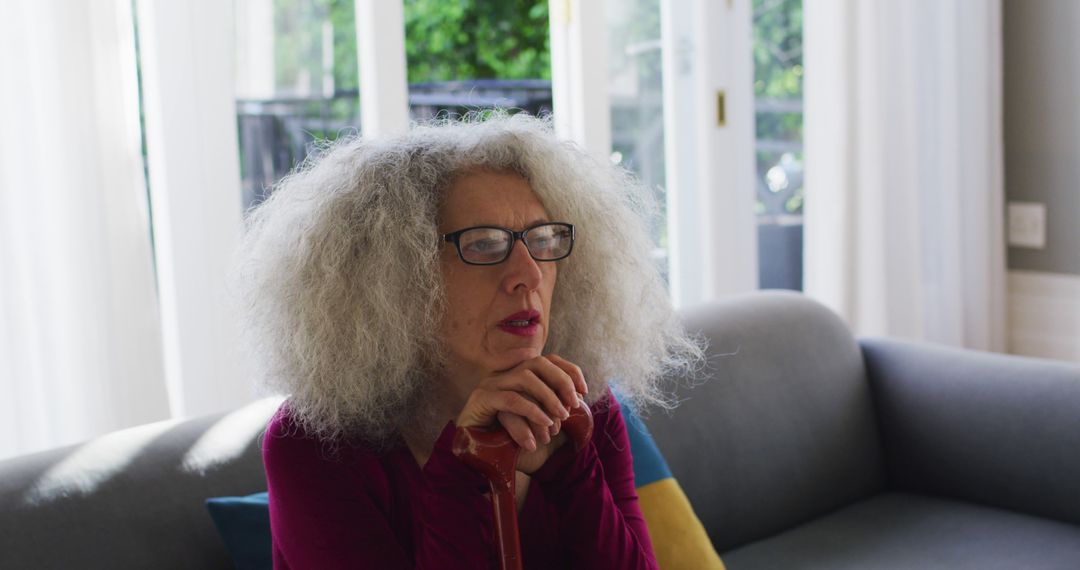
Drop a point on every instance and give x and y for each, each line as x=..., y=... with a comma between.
x=80, y=341
x=904, y=176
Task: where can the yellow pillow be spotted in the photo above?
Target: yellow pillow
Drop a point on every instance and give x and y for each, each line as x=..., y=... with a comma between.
x=679, y=541
x=678, y=538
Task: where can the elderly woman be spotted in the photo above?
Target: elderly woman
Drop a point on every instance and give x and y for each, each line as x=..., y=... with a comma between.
x=474, y=273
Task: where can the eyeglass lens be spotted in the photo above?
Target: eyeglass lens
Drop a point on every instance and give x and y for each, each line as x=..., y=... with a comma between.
x=491, y=245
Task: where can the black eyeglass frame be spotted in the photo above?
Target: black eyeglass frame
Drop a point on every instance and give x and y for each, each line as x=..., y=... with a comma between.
x=455, y=238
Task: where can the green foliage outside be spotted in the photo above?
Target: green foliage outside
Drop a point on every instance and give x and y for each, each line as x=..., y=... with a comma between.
x=445, y=40
x=508, y=39
x=298, y=42
x=778, y=48
x=778, y=77
x=642, y=25
x=778, y=70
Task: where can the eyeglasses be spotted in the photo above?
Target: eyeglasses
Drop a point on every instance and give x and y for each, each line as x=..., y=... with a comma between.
x=489, y=245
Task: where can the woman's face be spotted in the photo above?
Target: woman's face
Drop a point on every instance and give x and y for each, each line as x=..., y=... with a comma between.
x=481, y=299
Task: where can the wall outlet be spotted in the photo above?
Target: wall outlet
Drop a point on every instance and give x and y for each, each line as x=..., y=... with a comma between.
x=1027, y=224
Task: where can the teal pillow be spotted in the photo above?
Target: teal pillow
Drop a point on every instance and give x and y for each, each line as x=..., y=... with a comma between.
x=649, y=464
x=244, y=526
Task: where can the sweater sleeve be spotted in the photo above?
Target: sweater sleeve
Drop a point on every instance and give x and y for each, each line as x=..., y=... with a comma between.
x=336, y=513
x=593, y=491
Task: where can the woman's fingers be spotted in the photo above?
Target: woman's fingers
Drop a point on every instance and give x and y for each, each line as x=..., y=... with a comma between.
x=524, y=433
x=516, y=403
x=573, y=370
x=541, y=391
x=541, y=431
x=529, y=383
x=485, y=404
x=557, y=379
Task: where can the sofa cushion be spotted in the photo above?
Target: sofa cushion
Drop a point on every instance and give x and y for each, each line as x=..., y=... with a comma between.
x=783, y=430
x=903, y=531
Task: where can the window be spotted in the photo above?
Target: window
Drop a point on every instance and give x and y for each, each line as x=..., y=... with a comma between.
x=296, y=84
x=637, y=97
x=778, y=80
x=297, y=72
x=470, y=55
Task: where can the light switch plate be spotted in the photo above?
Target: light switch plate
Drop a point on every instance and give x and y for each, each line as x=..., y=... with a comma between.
x=1027, y=224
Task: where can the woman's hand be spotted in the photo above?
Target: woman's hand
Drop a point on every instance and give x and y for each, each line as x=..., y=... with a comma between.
x=530, y=401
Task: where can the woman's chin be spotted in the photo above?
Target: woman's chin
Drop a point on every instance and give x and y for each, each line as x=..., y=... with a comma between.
x=512, y=357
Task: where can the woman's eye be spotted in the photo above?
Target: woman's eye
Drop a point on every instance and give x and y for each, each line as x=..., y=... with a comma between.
x=484, y=245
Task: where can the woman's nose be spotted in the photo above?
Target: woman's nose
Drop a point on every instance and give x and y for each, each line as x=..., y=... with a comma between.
x=521, y=269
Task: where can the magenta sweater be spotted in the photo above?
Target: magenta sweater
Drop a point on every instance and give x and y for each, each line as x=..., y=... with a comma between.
x=362, y=510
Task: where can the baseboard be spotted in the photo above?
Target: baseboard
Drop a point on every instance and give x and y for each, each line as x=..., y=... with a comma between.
x=1044, y=314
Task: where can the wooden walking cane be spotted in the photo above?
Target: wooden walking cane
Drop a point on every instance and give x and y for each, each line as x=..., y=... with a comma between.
x=494, y=454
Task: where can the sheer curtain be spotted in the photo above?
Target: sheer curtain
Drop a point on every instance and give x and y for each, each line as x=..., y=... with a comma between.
x=80, y=341
x=904, y=177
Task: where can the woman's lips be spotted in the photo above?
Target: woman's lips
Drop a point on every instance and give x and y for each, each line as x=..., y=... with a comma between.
x=521, y=323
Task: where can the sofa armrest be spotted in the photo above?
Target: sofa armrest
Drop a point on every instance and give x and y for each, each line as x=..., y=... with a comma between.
x=989, y=428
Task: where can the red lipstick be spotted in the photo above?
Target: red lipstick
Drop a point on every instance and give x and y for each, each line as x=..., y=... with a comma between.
x=521, y=323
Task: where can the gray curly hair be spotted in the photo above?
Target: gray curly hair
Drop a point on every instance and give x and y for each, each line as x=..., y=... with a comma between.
x=342, y=295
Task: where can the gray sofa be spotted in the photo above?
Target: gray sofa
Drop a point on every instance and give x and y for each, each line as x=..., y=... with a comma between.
x=803, y=449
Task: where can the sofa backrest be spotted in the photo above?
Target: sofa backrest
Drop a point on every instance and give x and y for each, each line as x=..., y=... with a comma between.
x=132, y=498
x=782, y=428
